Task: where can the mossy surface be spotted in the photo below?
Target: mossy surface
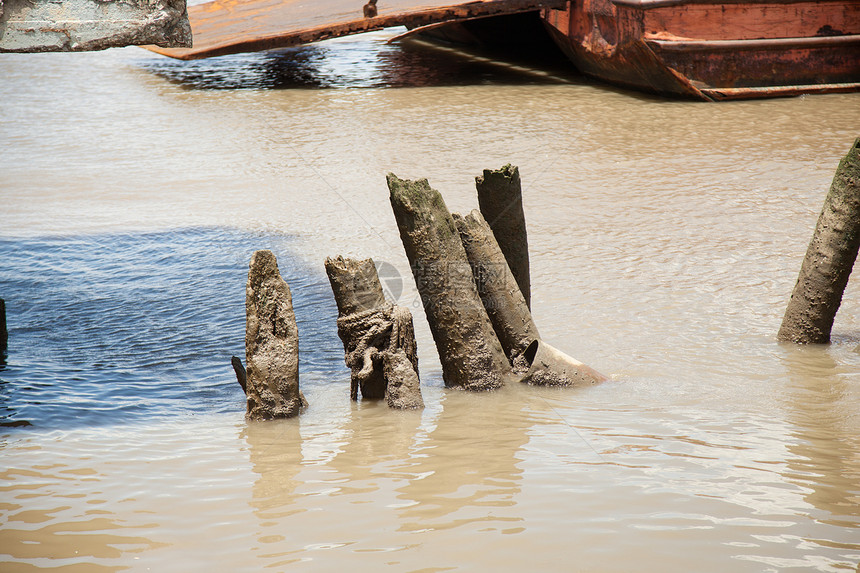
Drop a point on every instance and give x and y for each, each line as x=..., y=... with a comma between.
x=829, y=259
x=469, y=349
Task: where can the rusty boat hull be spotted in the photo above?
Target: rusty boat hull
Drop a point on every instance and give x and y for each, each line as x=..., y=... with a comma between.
x=714, y=49
x=707, y=49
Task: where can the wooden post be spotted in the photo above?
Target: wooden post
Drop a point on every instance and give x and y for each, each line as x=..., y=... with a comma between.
x=378, y=337
x=829, y=259
x=400, y=363
x=469, y=349
x=502, y=298
x=355, y=285
x=500, y=198
x=4, y=334
x=357, y=290
x=241, y=375
x=271, y=343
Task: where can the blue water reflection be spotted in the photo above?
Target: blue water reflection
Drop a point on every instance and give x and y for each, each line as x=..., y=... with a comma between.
x=116, y=326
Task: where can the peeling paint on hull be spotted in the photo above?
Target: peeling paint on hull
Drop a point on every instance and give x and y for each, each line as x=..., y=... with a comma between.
x=714, y=49
x=705, y=49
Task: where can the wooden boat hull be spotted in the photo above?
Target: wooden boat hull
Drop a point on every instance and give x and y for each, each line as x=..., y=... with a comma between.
x=714, y=49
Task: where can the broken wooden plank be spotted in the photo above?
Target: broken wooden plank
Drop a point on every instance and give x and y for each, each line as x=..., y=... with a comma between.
x=85, y=25
x=232, y=26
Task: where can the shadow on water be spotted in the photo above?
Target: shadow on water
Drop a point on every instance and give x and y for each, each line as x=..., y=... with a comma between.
x=113, y=327
x=366, y=61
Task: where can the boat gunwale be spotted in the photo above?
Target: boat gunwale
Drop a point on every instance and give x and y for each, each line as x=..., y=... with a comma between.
x=687, y=45
x=752, y=92
x=652, y=4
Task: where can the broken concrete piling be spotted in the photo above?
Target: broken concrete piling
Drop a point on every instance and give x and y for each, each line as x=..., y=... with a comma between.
x=499, y=291
x=829, y=259
x=378, y=337
x=469, y=350
x=271, y=343
x=537, y=362
x=500, y=199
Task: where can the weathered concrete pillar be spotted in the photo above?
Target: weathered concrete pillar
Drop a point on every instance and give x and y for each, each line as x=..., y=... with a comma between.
x=378, y=337
x=502, y=297
x=500, y=198
x=468, y=347
x=4, y=334
x=829, y=259
x=271, y=343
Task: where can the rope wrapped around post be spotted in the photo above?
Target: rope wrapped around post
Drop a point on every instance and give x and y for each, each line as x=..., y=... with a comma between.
x=365, y=335
x=378, y=336
x=371, y=334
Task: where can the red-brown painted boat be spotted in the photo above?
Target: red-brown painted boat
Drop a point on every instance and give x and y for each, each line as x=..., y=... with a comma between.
x=708, y=49
x=714, y=49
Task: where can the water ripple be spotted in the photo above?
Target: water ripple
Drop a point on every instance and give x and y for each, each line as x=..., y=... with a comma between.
x=119, y=326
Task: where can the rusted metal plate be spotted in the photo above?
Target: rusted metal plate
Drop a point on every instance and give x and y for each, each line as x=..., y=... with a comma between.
x=231, y=26
x=718, y=94
x=714, y=49
x=83, y=25
x=748, y=20
x=772, y=62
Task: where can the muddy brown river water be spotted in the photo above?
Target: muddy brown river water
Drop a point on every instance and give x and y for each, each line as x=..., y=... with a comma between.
x=665, y=238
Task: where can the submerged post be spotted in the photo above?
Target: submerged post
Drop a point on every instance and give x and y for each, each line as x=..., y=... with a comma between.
x=4, y=334
x=829, y=259
x=537, y=362
x=548, y=366
x=500, y=198
x=241, y=375
x=378, y=337
x=271, y=343
x=469, y=349
x=499, y=292
x=400, y=363
x=356, y=289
